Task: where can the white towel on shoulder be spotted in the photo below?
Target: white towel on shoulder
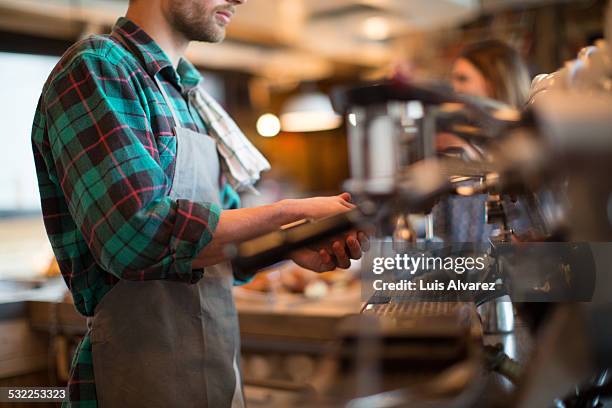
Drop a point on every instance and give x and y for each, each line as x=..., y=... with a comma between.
x=241, y=163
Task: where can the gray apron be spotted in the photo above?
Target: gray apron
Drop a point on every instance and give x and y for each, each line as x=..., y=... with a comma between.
x=164, y=344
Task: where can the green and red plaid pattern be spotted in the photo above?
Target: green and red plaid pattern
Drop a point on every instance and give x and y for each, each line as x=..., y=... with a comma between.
x=105, y=154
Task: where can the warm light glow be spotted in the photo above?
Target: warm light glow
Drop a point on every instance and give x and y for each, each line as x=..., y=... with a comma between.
x=309, y=112
x=268, y=125
x=310, y=121
x=376, y=28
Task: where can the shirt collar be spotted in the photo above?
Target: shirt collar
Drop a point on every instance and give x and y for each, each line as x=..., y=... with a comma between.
x=189, y=75
x=153, y=58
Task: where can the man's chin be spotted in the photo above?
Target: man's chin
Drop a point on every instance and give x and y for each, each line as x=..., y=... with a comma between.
x=215, y=37
x=219, y=39
x=220, y=35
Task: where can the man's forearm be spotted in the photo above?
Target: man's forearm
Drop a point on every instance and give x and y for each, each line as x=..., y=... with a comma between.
x=244, y=224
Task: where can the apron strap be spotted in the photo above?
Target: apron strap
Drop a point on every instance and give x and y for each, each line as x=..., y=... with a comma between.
x=177, y=122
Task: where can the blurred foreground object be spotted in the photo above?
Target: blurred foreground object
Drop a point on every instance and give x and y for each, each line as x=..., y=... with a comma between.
x=545, y=172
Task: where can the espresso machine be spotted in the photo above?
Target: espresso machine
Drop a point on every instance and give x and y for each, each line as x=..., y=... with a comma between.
x=397, y=177
x=545, y=171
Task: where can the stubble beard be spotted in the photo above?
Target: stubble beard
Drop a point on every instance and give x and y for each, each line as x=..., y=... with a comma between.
x=195, y=22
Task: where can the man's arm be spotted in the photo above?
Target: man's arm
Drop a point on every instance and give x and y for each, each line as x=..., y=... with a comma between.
x=244, y=224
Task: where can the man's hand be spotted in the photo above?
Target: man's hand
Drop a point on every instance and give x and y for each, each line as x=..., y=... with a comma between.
x=317, y=261
x=336, y=255
x=338, y=252
x=236, y=226
x=320, y=207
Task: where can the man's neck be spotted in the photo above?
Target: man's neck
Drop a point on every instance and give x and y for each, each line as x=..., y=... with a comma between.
x=151, y=20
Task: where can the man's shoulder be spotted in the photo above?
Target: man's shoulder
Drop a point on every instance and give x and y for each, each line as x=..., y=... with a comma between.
x=95, y=48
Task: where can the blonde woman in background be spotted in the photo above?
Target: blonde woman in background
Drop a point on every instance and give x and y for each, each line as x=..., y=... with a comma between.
x=494, y=70
x=489, y=69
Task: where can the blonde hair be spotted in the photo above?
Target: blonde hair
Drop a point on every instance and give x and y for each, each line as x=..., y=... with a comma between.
x=503, y=68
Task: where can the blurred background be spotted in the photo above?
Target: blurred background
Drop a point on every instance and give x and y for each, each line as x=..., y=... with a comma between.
x=279, y=55
x=280, y=58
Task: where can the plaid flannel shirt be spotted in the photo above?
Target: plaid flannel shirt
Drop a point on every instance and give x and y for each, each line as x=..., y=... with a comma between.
x=105, y=154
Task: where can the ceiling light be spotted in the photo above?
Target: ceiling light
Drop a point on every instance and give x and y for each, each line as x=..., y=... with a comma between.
x=268, y=125
x=376, y=28
x=309, y=112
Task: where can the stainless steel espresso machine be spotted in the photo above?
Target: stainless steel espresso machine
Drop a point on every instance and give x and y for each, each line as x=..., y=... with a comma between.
x=545, y=173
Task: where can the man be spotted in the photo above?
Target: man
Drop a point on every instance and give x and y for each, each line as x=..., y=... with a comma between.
x=135, y=162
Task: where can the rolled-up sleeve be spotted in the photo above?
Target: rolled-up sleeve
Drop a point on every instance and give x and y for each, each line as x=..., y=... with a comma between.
x=107, y=163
